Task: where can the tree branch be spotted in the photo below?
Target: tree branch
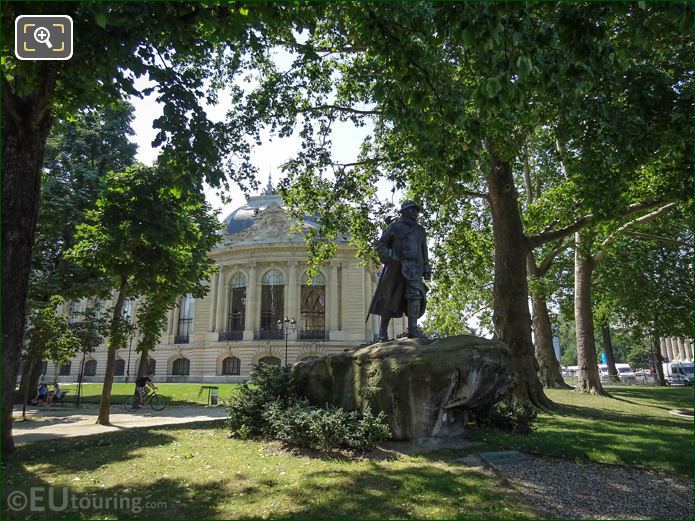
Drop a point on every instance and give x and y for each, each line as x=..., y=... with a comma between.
x=339, y=108
x=551, y=235
x=659, y=238
x=601, y=254
x=547, y=261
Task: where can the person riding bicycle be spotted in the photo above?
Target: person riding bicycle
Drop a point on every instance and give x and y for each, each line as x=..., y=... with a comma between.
x=141, y=387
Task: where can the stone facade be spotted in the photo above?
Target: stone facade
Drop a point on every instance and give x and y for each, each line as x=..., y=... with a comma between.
x=677, y=349
x=262, y=278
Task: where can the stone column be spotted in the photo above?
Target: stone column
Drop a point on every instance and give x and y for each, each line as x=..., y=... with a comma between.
x=662, y=343
x=213, y=303
x=689, y=349
x=292, y=305
x=251, y=302
x=219, y=303
x=170, y=322
x=681, y=349
x=669, y=349
x=333, y=320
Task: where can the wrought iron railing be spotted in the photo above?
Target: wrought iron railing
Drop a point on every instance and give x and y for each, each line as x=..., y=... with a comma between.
x=231, y=335
x=312, y=334
x=269, y=334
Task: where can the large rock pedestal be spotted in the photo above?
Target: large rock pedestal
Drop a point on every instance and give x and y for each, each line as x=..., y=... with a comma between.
x=424, y=386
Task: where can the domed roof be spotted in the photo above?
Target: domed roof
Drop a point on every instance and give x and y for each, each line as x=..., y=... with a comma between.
x=245, y=216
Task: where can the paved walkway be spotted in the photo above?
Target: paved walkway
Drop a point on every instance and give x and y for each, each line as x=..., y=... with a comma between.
x=47, y=423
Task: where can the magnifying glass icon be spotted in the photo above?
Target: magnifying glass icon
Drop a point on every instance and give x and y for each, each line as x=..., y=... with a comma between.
x=43, y=35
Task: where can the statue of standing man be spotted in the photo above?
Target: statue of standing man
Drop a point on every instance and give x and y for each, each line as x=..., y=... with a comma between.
x=402, y=249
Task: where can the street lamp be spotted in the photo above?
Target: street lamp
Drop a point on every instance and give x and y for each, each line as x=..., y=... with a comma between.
x=130, y=348
x=289, y=326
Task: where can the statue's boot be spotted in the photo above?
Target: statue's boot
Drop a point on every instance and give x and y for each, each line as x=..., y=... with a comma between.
x=383, y=330
x=413, y=314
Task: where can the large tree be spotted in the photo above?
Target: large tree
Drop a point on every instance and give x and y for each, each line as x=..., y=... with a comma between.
x=114, y=44
x=146, y=236
x=80, y=151
x=453, y=92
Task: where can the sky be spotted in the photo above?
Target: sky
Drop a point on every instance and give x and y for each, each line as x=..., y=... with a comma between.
x=268, y=157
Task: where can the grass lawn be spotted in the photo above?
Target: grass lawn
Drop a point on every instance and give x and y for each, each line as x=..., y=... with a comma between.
x=176, y=393
x=197, y=472
x=633, y=428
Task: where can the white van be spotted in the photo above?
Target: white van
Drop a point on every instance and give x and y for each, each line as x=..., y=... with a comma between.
x=678, y=373
x=625, y=373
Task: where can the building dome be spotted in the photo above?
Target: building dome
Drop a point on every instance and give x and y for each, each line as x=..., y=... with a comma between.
x=267, y=212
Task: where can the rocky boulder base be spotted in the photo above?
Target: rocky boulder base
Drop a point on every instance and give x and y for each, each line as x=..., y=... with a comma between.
x=425, y=387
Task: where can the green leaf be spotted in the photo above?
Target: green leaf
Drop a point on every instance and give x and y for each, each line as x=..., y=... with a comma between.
x=243, y=11
x=100, y=19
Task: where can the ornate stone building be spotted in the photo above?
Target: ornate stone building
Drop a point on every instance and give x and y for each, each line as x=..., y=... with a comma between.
x=261, y=306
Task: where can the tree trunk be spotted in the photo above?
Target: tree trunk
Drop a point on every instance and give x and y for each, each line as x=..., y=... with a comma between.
x=608, y=349
x=30, y=375
x=656, y=356
x=25, y=126
x=588, y=380
x=512, y=321
x=114, y=344
x=549, y=366
x=142, y=365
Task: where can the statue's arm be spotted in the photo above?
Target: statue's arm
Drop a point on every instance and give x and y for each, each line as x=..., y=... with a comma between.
x=383, y=245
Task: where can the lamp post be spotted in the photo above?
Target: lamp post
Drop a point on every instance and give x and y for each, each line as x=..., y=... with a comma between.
x=130, y=347
x=286, y=330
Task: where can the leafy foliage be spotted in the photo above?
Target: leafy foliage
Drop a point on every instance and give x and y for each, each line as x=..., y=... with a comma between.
x=49, y=335
x=508, y=415
x=269, y=405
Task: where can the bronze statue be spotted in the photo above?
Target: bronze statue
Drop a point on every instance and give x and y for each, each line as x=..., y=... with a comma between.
x=402, y=249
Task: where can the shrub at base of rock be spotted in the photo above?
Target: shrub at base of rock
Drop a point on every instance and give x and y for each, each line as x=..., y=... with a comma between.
x=425, y=387
x=269, y=406
x=511, y=416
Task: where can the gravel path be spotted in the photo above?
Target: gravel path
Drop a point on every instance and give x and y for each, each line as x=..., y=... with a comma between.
x=563, y=489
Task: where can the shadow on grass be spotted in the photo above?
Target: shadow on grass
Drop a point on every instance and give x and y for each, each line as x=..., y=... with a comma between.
x=365, y=489
x=668, y=397
x=657, y=442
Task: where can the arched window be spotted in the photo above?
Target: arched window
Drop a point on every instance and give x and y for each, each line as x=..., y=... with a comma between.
x=270, y=360
x=185, y=320
x=237, y=303
x=313, y=307
x=181, y=367
x=127, y=311
x=119, y=369
x=231, y=366
x=90, y=368
x=272, y=303
x=74, y=312
x=64, y=370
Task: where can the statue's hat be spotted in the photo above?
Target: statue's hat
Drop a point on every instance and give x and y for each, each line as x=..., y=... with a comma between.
x=408, y=204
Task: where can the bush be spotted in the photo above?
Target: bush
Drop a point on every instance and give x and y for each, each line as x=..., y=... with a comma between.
x=325, y=427
x=509, y=415
x=268, y=384
x=269, y=405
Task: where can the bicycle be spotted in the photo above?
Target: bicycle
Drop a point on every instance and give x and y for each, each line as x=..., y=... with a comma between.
x=155, y=401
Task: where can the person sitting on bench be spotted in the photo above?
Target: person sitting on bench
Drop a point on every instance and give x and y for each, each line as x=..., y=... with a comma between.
x=56, y=395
